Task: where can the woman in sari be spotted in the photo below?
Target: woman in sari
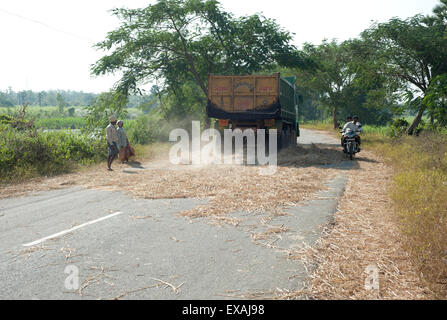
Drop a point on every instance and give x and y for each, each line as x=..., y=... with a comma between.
x=123, y=143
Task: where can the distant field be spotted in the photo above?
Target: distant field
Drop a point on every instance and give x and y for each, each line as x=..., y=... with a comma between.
x=48, y=117
x=61, y=123
x=42, y=112
x=80, y=111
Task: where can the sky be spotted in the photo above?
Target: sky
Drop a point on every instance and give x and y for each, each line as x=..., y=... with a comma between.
x=48, y=44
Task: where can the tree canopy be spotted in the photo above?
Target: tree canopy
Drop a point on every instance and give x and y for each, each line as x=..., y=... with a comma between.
x=393, y=67
x=411, y=52
x=174, y=43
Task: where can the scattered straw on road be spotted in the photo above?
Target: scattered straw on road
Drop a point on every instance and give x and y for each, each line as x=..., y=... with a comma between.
x=229, y=188
x=365, y=234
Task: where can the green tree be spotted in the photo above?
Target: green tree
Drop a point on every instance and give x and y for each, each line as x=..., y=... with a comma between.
x=22, y=99
x=5, y=101
x=71, y=112
x=436, y=99
x=436, y=95
x=411, y=53
x=41, y=97
x=61, y=103
x=341, y=83
x=174, y=42
x=105, y=105
x=331, y=79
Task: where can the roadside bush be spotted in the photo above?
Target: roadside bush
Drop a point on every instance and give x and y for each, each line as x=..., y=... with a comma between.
x=25, y=154
x=139, y=130
x=17, y=123
x=398, y=127
x=152, y=128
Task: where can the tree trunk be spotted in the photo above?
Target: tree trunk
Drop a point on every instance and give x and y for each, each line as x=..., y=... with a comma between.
x=416, y=121
x=334, y=112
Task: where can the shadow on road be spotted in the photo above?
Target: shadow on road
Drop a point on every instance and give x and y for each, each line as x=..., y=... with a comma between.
x=359, y=158
x=326, y=156
x=135, y=164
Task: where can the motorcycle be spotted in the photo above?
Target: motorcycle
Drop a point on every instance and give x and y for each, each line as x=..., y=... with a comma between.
x=350, y=145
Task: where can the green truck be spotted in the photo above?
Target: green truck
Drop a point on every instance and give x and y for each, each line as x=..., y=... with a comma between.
x=255, y=102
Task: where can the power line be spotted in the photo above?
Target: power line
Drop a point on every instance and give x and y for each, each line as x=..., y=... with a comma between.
x=46, y=25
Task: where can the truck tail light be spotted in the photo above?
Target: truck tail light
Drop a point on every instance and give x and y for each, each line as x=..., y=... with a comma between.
x=223, y=123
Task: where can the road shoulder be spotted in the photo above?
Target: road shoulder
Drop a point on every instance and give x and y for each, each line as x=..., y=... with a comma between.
x=362, y=255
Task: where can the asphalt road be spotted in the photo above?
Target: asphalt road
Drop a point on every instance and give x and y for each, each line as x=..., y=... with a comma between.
x=318, y=137
x=88, y=244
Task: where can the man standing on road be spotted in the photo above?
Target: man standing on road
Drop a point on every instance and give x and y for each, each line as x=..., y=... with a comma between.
x=112, y=142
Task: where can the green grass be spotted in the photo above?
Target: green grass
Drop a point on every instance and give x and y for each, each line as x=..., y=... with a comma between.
x=53, y=111
x=376, y=130
x=49, y=117
x=326, y=125
x=47, y=111
x=61, y=123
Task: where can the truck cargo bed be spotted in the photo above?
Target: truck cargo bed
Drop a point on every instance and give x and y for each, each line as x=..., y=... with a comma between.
x=249, y=97
x=254, y=102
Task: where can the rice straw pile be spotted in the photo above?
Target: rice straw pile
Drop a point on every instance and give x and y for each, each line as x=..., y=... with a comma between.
x=229, y=188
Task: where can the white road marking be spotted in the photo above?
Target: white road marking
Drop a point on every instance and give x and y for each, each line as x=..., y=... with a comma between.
x=70, y=230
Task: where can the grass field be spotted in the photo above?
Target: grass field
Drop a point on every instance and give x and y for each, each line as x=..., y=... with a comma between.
x=61, y=123
x=49, y=117
x=47, y=111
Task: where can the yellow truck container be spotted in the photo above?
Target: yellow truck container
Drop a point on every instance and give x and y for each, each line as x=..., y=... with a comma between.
x=256, y=102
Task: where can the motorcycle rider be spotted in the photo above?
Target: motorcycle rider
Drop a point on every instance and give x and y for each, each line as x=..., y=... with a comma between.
x=352, y=124
x=347, y=125
x=359, y=129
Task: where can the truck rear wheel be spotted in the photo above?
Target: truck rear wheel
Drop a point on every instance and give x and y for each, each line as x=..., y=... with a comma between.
x=284, y=140
x=293, y=139
x=281, y=140
x=287, y=136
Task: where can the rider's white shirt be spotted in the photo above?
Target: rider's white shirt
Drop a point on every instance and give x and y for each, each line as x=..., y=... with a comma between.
x=352, y=126
x=358, y=126
x=349, y=126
